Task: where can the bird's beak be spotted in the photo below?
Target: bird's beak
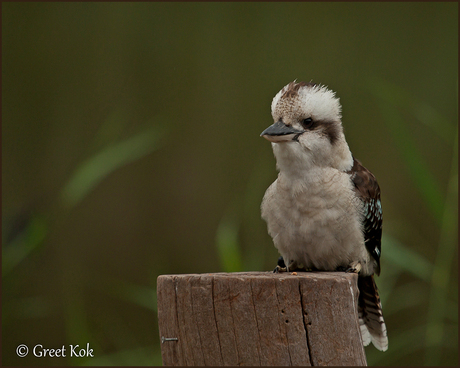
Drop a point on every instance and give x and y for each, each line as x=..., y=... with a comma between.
x=280, y=132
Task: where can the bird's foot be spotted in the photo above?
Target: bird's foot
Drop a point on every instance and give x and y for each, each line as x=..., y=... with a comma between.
x=355, y=267
x=293, y=266
x=279, y=269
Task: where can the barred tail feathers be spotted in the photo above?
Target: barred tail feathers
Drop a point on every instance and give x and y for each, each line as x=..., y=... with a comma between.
x=371, y=320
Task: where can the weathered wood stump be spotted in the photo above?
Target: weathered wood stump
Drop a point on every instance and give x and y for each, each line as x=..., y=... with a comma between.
x=260, y=318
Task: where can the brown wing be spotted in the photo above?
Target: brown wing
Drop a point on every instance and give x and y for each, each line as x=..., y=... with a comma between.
x=367, y=189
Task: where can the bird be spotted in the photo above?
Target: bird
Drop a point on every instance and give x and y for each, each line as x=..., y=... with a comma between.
x=324, y=211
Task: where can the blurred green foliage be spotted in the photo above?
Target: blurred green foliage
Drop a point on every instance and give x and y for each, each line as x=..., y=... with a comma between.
x=95, y=169
x=441, y=325
x=131, y=148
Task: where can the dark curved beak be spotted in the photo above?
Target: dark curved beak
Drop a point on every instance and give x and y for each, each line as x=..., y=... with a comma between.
x=280, y=132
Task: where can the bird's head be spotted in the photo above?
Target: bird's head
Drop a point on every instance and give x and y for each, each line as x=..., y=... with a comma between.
x=307, y=128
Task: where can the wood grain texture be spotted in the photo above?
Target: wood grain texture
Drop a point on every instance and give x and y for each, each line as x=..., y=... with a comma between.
x=260, y=318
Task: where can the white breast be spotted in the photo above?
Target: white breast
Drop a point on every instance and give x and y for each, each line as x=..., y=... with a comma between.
x=316, y=221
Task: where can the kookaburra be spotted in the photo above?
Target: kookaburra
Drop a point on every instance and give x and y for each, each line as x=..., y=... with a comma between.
x=323, y=211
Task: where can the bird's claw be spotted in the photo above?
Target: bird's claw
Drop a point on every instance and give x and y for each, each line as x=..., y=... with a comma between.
x=279, y=269
x=355, y=267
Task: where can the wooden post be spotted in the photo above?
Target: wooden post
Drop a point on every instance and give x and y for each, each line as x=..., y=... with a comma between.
x=260, y=318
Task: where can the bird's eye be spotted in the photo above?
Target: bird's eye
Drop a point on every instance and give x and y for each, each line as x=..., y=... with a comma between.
x=307, y=123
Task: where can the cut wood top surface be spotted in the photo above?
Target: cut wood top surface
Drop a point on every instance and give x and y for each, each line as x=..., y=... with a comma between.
x=318, y=275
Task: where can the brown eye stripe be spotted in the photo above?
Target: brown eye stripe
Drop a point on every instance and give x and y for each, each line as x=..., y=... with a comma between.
x=330, y=129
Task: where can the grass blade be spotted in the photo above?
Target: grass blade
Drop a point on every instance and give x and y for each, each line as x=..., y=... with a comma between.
x=91, y=172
